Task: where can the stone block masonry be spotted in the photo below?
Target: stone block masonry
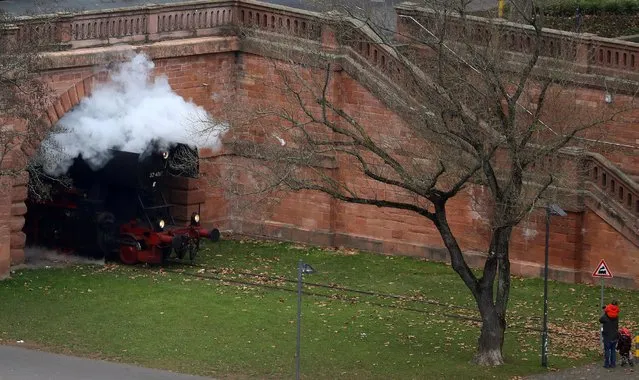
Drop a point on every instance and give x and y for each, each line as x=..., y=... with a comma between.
x=5, y=226
x=302, y=217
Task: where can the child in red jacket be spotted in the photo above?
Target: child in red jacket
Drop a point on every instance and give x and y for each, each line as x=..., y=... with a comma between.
x=612, y=310
x=624, y=345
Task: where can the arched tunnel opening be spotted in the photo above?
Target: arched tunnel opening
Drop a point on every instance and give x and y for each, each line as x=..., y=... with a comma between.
x=113, y=179
x=120, y=211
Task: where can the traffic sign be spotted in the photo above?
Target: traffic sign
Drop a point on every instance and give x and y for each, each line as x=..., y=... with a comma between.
x=602, y=270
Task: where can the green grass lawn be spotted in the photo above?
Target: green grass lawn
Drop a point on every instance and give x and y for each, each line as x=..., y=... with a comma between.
x=227, y=328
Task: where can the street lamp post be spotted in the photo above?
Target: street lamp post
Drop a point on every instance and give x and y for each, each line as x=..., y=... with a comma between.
x=302, y=269
x=552, y=209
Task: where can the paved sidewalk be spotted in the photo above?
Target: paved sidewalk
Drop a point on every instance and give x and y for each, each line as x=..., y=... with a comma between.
x=18, y=363
x=592, y=371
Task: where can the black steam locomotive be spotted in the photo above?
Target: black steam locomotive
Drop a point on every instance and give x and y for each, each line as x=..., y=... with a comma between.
x=118, y=211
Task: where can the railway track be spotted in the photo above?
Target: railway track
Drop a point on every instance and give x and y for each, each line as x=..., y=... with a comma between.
x=346, y=294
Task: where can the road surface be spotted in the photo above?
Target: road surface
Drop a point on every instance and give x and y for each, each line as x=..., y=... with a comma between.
x=17, y=363
x=590, y=372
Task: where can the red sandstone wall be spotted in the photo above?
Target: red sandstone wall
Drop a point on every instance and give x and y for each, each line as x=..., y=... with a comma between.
x=209, y=81
x=395, y=226
x=62, y=80
x=619, y=137
x=220, y=81
x=616, y=137
x=393, y=231
x=600, y=241
x=18, y=210
x=5, y=214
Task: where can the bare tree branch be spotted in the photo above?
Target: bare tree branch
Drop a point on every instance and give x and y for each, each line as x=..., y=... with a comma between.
x=463, y=103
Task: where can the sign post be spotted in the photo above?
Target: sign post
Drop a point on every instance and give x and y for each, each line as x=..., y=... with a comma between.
x=602, y=272
x=602, y=293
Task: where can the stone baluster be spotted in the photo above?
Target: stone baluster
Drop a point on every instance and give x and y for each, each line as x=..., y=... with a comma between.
x=11, y=32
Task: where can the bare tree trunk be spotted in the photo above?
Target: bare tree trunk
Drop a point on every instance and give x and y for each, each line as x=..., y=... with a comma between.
x=492, y=308
x=491, y=339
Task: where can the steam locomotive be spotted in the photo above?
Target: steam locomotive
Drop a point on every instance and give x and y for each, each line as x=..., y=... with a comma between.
x=118, y=211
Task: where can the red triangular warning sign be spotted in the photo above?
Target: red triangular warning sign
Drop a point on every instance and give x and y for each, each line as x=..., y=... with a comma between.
x=602, y=270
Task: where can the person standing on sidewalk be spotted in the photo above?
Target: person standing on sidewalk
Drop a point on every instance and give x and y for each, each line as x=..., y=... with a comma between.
x=610, y=329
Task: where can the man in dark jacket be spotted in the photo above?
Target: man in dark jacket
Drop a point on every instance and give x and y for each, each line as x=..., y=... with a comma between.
x=610, y=328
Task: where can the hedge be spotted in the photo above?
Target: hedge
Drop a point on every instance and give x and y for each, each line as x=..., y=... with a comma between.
x=569, y=7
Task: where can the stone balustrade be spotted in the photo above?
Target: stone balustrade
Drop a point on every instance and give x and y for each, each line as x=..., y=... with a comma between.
x=284, y=20
x=592, y=53
x=135, y=24
x=614, y=183
x=366, y=45
x=615, y=54
x=202, y=18
x=158, y=22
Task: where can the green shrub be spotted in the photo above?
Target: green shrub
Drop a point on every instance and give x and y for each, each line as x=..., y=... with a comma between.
x=588, y=7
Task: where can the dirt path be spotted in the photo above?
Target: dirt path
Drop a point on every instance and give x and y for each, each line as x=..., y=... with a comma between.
x=592, y=371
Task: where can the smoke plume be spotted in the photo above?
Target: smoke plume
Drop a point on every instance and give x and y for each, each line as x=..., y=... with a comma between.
x=128, y=113
x=39, y=257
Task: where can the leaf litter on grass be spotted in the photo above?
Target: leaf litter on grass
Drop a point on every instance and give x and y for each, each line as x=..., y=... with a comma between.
x=567, y=333
x=442, y=327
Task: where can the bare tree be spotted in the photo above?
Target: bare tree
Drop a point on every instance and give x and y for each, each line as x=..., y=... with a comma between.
x=24, y=95
x=477, y=114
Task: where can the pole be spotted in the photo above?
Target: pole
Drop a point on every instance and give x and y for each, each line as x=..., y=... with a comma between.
x=601, y=305
x=544, y=334
x=299, y=319
x=501, y=8
x=602, y=293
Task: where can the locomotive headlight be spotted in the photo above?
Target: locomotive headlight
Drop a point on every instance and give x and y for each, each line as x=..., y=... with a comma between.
x=161, y=223
x=165, y=155
x=195, y=219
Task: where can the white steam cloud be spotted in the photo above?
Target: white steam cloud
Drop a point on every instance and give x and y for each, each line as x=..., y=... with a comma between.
x=39, y=257
x=128, y=113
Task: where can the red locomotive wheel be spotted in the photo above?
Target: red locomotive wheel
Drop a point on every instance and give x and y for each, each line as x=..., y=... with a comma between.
x=129, y=248
x=128, y=255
